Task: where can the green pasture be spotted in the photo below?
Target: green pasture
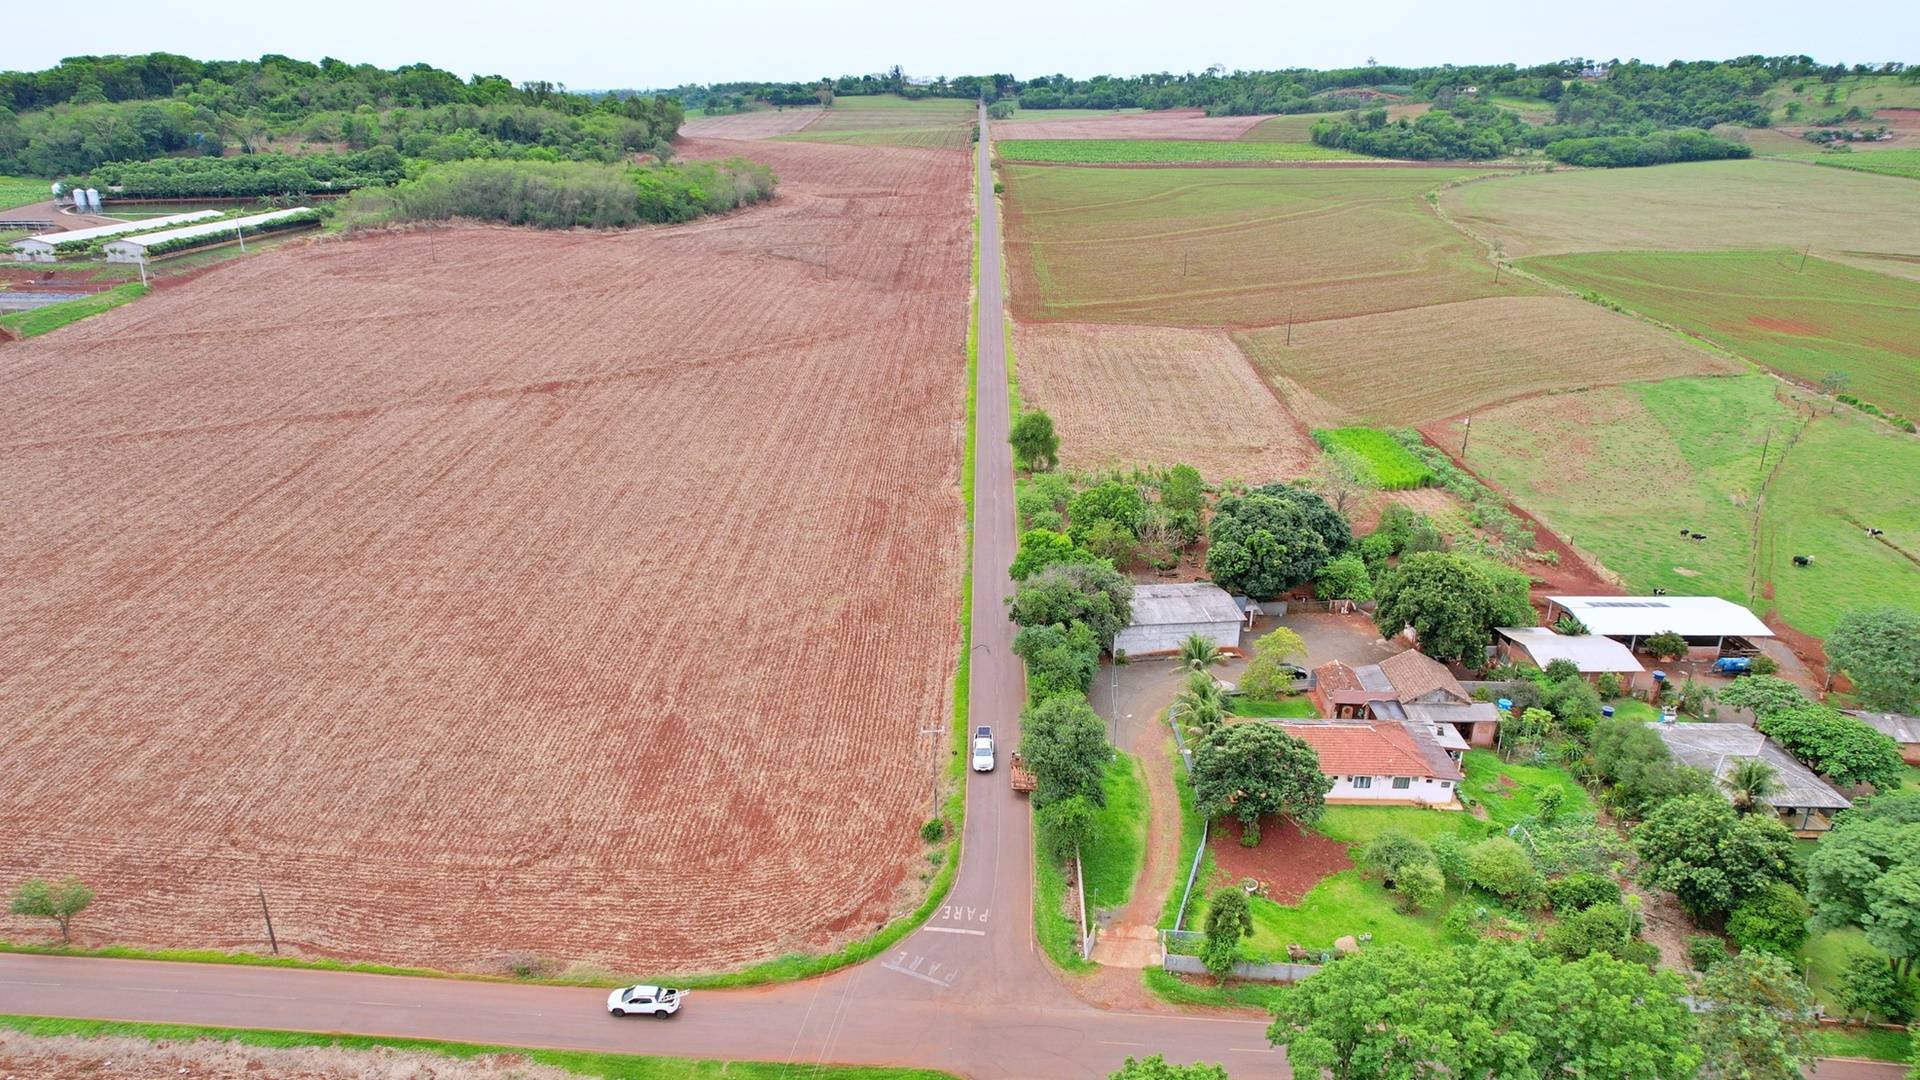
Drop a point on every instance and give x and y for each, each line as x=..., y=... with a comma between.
x=1802, y=316
x=1628, y=473
x=1112, y=860
x=1292, y=128
x=1868, y=92
x=1151, y=151
x=23, y=190
x=41, y=320
x=1389, y=465
x=1298, y=707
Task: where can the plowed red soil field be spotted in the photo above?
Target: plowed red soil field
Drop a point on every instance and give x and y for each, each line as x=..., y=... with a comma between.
x=1164, y=124
x=485, y=591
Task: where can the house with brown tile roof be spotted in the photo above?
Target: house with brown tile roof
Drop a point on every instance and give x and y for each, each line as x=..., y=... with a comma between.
x=1382, y=762
x=1407, y=685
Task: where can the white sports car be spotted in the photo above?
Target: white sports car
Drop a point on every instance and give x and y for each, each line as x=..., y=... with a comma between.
x=647, y=1000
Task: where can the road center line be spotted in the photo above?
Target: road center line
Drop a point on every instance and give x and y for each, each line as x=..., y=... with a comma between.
x=953, y=930
x=389, y=1004
x=146, y=989
x=25, y=982
x=1112, y=1042
x=1251, y=1050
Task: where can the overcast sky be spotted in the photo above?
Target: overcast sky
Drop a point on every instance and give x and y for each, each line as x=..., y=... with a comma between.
x=598, y=44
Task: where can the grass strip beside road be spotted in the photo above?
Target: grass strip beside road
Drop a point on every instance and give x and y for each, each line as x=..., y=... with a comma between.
x=40, y=320
x=581, y=1062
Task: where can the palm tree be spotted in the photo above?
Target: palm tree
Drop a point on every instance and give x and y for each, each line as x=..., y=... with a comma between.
x=1201, y=704
x=1198, y=653
x=1749, y=783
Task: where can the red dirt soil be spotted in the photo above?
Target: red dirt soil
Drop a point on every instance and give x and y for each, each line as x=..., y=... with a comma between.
x=1289, y=861
x=1168, y=124
x=483, y=590
x=1783, y=326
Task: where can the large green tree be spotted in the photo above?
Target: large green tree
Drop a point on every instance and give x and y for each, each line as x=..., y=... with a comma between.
x=1270, y=673
x=1065, y=593
x=1253, y=768
x=1115, y=501
x=1866, y=873
x=1756, y=1018
x=1879, y=649
x=1489, y=1010
x=1034, y=443
x=1641, y=772
x=59, y=901
x=1065, y=745
x=1445, y=598
x=1710, y=857
x=1837, y=745
x=1272, y=538
x=1761, y=694
x=1041, y=548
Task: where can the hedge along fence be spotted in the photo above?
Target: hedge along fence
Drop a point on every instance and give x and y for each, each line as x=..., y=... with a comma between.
x=298, y=219
x=1387, y=464
x=249, y=175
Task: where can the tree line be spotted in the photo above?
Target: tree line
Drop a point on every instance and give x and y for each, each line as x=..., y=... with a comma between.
x=89, y=110
x=565, y=195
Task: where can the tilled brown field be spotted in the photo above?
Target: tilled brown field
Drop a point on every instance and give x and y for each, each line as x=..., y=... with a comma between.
x=1158, y=396
x=758, y=124
x=479, y=591
x=1165, y=124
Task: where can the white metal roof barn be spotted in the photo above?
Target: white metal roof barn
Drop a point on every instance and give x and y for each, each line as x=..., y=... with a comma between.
x=1643, y=616
x=40, y=248
x=1166, y=615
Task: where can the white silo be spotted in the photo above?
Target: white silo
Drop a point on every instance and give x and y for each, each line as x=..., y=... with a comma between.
x=93, y=198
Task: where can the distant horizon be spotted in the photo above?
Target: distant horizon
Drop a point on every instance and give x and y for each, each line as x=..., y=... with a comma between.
x=593, y=45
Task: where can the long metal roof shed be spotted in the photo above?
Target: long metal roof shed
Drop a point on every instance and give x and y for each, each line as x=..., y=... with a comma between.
x=45, y=241
x=1717, y=748
x=1644, y=616
x=137, y=245
x=1589, y=653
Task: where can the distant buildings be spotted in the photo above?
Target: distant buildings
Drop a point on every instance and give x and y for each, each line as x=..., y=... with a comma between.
x=1406, y=686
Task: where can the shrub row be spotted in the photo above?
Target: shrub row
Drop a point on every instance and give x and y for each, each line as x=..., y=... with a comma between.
x=1871, y=409
x=1659, y=148
x=248, y=176
x=1485, y=508
x=564, y=195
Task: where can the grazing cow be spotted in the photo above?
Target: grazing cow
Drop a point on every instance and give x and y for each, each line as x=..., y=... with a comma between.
x=1875, y=532
x=1698, y=536
x=1658, y=591
x=1803, y=560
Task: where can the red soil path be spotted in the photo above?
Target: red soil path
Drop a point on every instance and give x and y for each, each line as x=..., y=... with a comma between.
x=480, y=591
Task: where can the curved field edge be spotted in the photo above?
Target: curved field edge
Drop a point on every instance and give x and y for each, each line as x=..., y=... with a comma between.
x=581, y=1062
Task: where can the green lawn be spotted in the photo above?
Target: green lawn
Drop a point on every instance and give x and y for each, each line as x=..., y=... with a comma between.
x=1359, y=824
x=1509, y=802
x=1053, y=926
x=1803, y=317
x=1634, y=709
x=22, y=190
x=1825, y=956
x=1343, y=903
x=583, y=1063
x=54, y=316
x=1189, y=842
x=1149, y=151
x=1876, y=1044
x=1243, y=995
x=1112, y=861
x=1294, y=707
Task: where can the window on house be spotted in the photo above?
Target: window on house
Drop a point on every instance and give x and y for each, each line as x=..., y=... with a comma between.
x=1363, y=781
x=1402, y=782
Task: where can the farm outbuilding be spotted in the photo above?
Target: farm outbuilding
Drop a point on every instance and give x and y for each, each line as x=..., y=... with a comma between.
x=1902, y=729
x=1710, y=624
x=1593, y=654
x=41, y=248
x=1166, y=615
x=134, y=248
x=1806, y=804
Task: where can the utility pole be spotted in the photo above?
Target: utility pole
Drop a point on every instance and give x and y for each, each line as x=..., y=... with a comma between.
x=1465, y=436
x=1803, y=258
x=1289, y=328
x=267, y=915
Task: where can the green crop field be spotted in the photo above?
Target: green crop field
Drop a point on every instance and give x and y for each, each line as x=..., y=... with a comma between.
x=1389, y=466
x=22, y=190
x=1292, y=128
x=1901, y=163
x=1858, y=218
x=887, y=120
x=1625, y=471
x=1802, y=317
x=1149, y=151
x=1233, y=247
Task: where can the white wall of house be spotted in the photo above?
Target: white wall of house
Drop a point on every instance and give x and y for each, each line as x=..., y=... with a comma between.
x=1422, y=790
x=1166, y=637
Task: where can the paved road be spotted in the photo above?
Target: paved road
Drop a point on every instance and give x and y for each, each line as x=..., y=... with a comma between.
x=967, y=993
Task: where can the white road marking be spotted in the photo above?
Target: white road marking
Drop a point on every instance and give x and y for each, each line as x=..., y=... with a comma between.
x=262, y=997
x=25, y=982
x=890, y=966
x=1254, y=1050
x=147, y=989
x=389, y=1004
x=953, y=930
x=1111, y=1042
